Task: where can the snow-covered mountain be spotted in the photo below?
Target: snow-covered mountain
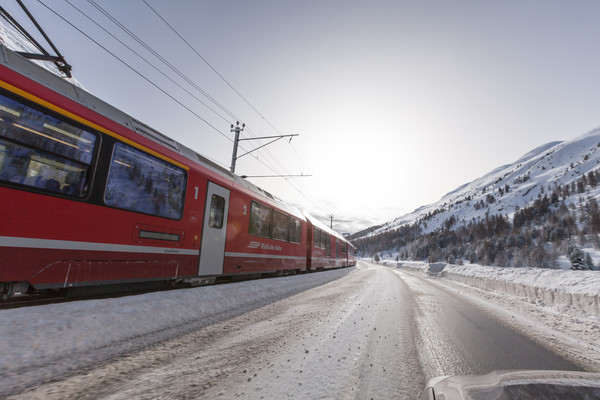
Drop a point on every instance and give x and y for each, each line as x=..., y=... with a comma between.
x=513, y=185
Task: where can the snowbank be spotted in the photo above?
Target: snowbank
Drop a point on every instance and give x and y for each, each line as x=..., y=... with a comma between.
x=570, y=292
x=58, y=338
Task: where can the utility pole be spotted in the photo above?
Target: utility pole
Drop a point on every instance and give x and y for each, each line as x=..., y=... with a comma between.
x=331, y=217
x=237, y=131
x=237, y=139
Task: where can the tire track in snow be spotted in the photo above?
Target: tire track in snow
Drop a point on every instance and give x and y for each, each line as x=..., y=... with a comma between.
x=351, y=338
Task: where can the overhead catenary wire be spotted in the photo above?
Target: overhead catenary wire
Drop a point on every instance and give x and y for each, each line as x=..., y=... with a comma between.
x=148, y=80
x=187, y=43
x=58, y=60
x=211, y=67
x=297, y=154
x=173, y=68
x=136, y=71
x=6, y=16
x=162, y=59
x=172, y=97
x=146, y=61
x=137, y=54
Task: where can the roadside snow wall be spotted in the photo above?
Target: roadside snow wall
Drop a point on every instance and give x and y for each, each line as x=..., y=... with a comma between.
x=570, y=292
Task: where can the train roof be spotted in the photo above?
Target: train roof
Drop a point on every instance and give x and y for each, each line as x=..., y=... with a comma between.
x=324, y=227
x=77, y=94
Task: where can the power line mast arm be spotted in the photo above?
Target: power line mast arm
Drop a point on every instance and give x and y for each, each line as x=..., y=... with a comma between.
x=58, y=59
x=237, y=129
x=266, y=144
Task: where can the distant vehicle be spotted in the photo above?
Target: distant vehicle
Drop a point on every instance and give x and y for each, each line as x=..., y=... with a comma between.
x=90, y=196
x=520, y=384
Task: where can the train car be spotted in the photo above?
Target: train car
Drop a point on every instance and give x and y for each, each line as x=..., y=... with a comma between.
x=265, y=234
x=326, y=247
x=351, y=255
x=90, y=196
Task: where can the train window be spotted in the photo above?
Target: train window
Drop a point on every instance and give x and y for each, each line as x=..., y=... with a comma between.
x=260, y=219
x=295, y=231
x=140, y=182
x=280, y=225
x=317, y=238
x=41, y=151
x=320, y=240
x=217, y=212
x=344, y=247
x=326, y=242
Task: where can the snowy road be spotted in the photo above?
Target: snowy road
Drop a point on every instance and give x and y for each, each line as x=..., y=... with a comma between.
x=372, y=333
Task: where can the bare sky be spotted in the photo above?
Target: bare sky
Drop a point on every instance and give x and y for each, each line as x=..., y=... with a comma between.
x=396, y=102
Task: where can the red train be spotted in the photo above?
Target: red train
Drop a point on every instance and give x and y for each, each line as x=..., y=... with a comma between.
x=90, y=196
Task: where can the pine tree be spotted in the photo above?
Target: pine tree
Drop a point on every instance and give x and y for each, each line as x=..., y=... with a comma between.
x=588, y=261
x=577, y=259
x=539, y=257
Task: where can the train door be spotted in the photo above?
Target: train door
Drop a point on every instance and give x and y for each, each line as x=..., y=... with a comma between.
x=212, y=249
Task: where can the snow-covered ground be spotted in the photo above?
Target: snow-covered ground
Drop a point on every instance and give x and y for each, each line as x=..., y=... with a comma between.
x=366, y=331
x=45, y=342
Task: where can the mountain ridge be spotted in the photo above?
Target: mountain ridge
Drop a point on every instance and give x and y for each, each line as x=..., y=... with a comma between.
x=509, y=186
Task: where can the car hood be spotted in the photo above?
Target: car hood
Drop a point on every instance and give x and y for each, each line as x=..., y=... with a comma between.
x=515, y=384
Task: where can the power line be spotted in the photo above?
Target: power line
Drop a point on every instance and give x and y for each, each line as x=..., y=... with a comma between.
x=267, y=153
x=149, y=81
x=145, y=60
x=161, y=58
x=134, y=70
x=164, y=91
x=58, y=60
x=16, y=26
x=166, y=62
x=157, y=55
x=142, y=76
x=211, y=67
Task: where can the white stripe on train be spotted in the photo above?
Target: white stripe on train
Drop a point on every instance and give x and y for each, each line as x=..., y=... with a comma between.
x=10, y=241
